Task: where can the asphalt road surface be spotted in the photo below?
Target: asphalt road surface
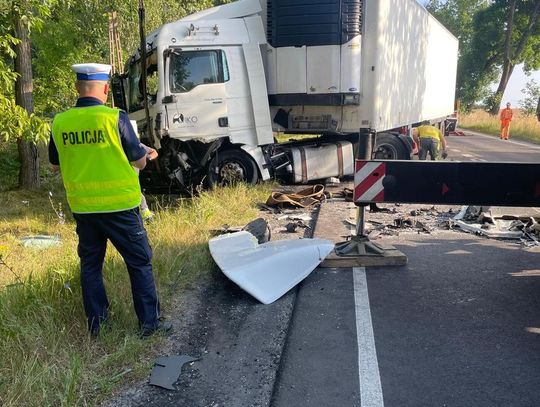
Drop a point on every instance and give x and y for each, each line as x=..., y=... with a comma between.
x=458, y=326
x=478, y=147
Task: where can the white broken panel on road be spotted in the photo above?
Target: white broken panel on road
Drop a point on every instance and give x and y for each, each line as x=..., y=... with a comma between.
x=267, y=271
x=480, y=220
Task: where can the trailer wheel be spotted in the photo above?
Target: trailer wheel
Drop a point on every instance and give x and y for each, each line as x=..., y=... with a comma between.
x=389, y=147
x=232, y=166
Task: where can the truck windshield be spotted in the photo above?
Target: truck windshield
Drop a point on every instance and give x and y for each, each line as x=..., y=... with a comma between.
x=189, y=69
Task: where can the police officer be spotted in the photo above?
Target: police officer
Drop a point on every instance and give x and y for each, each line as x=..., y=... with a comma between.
x=429, y=139
x=95, y=147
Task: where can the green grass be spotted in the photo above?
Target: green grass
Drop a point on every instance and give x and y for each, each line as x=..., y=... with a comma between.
x=9, y=166
x=522, y=127
x=46, y=356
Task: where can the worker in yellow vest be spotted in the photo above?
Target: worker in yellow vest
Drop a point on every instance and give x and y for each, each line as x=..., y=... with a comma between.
x=429, y=140
x=506, y=117
x=96, y=149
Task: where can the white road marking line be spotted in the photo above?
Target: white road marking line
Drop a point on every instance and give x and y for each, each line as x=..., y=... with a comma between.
x=469, y=155
x=455, y=150
x=368, y=367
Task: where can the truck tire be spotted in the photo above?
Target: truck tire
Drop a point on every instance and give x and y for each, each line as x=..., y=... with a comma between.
x=389, y=147
x=232, y=166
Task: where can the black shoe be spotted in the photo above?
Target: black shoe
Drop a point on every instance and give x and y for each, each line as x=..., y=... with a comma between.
x=161, y=327
x=95, y=329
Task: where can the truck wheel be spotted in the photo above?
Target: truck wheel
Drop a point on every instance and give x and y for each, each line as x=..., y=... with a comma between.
x=389, y=147
x=232, y=166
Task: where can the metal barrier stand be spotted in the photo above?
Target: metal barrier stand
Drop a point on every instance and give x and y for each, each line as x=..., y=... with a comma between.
x=359, y=248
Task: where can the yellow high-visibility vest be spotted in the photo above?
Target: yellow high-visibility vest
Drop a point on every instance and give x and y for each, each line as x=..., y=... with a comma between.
x=429, y=131
x=96, y=172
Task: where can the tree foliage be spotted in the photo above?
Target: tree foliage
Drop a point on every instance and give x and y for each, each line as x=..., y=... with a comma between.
x=65, y=32
x=495, y=36
x=77, y=32
x=520, y=42
x=531, y=93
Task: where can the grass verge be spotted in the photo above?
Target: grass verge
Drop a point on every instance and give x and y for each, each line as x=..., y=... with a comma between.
x=46, y=356
x=523, y=127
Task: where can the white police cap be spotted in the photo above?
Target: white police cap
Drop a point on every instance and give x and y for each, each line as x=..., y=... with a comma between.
x=92, y=72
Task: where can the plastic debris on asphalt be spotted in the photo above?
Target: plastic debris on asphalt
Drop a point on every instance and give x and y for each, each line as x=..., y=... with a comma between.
x=479, y=220
x=267, y=271
x=167, y=370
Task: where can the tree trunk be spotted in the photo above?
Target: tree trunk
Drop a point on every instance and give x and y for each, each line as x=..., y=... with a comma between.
x=511, y=57
x=28, y=152
x=508, y=66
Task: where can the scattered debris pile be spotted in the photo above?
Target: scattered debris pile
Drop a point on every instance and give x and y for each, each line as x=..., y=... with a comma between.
x=398, y=218
x=512, y=225
x=518, y=224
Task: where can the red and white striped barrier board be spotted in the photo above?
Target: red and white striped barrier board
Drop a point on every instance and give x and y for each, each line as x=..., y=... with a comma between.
x=368, y=181
x=447, y=182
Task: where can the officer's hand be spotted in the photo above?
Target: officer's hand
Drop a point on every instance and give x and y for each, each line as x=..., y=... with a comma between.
x=151, y=154
x=444, y=154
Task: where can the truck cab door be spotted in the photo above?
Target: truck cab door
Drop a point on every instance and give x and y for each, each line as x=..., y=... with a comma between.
x=196, y=80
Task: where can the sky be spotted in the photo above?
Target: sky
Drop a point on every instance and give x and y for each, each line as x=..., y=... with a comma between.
x=517, y=82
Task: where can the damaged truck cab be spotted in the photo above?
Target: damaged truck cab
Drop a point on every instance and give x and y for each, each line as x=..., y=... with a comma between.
x=224, y=82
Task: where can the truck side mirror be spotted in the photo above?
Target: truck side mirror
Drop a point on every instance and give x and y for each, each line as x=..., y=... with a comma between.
x=118, y=92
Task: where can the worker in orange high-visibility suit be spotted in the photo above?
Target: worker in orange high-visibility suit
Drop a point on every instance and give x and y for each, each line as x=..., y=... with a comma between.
x=506, y=118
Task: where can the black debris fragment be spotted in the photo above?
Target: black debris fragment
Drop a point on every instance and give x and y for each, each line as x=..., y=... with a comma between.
x=167, y=370
x=260, y=229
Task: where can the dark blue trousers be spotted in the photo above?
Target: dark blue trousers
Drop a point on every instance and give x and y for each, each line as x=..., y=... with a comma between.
x=126, y=232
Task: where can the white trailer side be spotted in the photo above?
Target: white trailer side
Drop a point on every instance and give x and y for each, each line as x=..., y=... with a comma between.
x=408, y=65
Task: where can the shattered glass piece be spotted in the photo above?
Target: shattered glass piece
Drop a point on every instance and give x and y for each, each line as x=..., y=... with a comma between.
x=167, y=370
x=41, y=241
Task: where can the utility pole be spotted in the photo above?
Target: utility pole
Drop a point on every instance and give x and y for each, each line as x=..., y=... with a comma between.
x=115, y=48
x=142, y=35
